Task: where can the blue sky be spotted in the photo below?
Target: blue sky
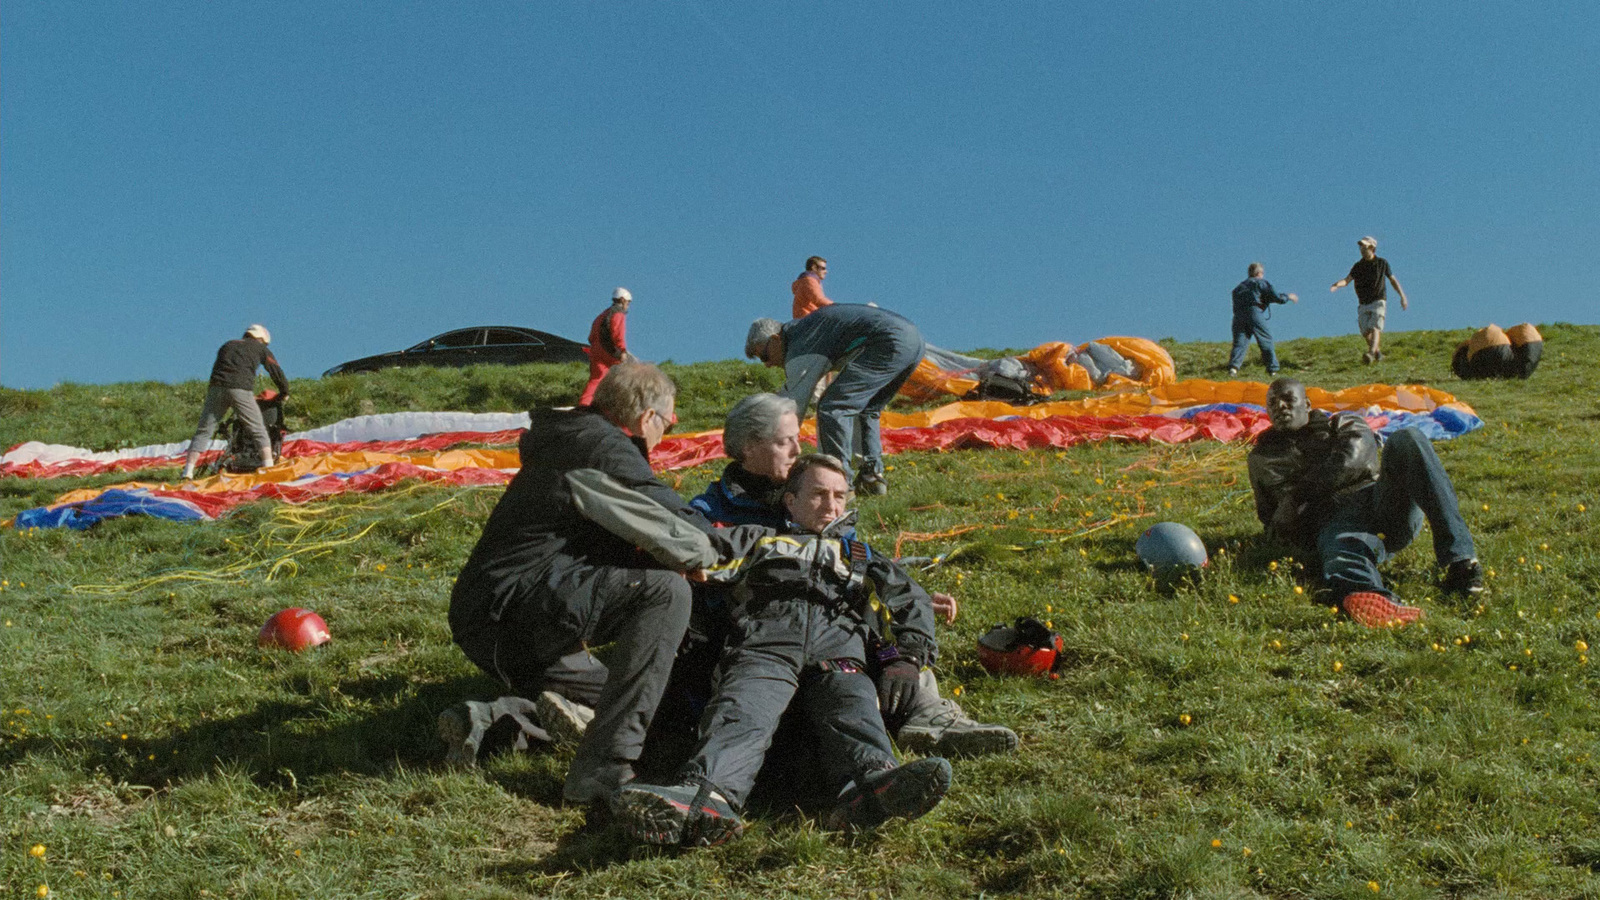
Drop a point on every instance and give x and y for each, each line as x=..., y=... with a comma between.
x=361, y=176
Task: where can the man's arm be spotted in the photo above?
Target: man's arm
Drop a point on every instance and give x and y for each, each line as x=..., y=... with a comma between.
x=619, y=335
x=1343, y=281
x=275, y=372
x=1399, y=290
x=910, y=610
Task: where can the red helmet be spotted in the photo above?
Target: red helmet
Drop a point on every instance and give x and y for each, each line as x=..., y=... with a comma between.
x=293, y=629
x=1024, y=648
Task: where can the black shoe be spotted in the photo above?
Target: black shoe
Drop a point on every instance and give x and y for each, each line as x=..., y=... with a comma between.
x=905, y=792
x=677, y=815
x=872, y=483
x=1464, y=576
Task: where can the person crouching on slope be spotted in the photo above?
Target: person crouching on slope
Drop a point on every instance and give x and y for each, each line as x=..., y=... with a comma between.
x=233, y=384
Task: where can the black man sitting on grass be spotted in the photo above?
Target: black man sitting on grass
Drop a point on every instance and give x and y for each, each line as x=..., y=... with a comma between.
x=1321, y=484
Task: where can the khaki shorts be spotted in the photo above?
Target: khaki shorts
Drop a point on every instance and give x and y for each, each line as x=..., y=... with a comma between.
x=1370, y=316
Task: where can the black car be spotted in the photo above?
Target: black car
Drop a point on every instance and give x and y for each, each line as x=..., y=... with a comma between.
x=503, y=344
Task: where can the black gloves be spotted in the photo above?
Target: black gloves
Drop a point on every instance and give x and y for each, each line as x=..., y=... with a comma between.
x=897, y=684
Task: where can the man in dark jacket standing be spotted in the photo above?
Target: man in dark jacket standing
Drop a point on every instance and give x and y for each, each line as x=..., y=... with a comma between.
x=877, y=349
x=1250, y=301
x=233, y=384
x=1322, y=485
x=559, y=568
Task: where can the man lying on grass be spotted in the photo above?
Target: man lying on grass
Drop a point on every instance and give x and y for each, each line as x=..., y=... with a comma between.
x=1321, y=484
x=811, y=606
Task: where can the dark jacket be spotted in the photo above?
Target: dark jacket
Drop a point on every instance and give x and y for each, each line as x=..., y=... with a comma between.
x=1254, y=295
x=742, y=498
x=236, y=364
x=835, y=570
x=1314, y=467
x=536, y=535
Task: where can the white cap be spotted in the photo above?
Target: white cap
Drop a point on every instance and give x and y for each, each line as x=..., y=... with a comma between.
x=1369, y=241
x=621, y=294
x=260, y=333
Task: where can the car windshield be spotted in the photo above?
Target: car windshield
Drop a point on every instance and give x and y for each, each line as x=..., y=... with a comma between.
x=466, y=337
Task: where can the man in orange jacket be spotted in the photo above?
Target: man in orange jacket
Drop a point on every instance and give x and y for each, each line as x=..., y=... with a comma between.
x=608, y=342
x=808, y=296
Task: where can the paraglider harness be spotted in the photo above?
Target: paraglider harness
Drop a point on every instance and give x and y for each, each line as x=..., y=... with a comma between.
x=242, y=455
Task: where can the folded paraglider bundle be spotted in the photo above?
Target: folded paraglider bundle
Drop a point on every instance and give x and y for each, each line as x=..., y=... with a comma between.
x=1493, y=353
x=1110, y=363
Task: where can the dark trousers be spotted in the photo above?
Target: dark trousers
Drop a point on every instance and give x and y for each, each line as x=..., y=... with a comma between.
x=539, y=646
x=795, y=652
x=1381, y=519
x=1246, y=327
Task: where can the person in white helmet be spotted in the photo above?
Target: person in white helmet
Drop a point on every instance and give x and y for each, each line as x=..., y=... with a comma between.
x=233, y=384
x=608, y=342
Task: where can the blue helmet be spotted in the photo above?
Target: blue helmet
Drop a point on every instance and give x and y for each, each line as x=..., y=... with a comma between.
x=1170, y=550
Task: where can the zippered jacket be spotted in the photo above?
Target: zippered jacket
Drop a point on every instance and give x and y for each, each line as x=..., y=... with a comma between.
x=537, y=535
x=1314, y=467
x=834, y=570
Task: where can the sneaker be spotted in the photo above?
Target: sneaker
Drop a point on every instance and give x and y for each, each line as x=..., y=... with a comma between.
x=951, y=732
x=1374, y=610
x=462, y=728
x=676, y=815
x=1232, y=371
x=872, y=483
x=1367, y=357
x=903, y=792
x=1464, y=576
x=566, y=720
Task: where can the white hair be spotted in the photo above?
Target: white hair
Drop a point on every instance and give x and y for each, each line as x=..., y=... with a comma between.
x=752, y=420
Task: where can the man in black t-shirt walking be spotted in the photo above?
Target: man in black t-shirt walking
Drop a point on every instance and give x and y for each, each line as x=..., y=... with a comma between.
x=1370, y=273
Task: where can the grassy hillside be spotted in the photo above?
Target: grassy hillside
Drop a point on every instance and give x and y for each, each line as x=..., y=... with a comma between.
x=1230, y=739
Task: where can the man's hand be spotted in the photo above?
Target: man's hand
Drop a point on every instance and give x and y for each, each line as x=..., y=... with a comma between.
x=1284, y=519
x=1294, y=298
x=897, y=684
x=945, y=607
x=698, y=575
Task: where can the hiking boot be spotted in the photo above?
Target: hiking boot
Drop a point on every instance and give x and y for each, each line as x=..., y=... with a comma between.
x=1464, y=576
x=1368, y=357
x=904, y=792
x=676, y=815
x=1374, y=610
x=951, y=732
x=566, y=720
x=462, y=728
x=872, y=483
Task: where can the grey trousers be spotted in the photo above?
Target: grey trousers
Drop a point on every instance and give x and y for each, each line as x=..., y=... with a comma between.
x=849, y=408
x=539, y=646
x=218, y=399
x=795, y=652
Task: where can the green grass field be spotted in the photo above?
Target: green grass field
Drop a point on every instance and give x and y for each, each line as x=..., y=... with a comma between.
x=1231, y=739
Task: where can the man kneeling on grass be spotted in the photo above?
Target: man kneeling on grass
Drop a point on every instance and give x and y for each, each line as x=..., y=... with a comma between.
x=811, y=606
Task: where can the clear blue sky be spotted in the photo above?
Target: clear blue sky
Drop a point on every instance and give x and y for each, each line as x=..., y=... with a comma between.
x=361, y=176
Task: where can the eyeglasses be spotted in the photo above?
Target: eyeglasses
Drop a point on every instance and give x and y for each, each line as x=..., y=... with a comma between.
x=668, y=420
